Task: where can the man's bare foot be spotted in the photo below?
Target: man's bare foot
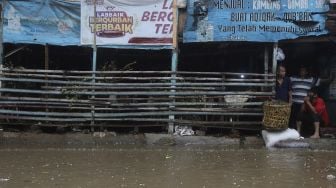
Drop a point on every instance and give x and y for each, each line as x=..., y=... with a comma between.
x=315, y=136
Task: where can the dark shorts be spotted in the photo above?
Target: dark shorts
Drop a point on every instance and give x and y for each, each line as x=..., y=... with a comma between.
x=296, y=108
x=308, y=117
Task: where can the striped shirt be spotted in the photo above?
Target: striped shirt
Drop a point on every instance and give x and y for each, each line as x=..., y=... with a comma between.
x=300, y=88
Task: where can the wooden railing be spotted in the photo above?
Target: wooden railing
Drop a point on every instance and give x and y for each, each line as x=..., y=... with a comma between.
x=132, y=98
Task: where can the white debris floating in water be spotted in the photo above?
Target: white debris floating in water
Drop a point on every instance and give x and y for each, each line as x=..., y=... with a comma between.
x=331, y=177
x=4, y=179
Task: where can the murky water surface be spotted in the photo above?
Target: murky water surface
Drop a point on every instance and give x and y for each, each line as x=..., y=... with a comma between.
x=166, y=167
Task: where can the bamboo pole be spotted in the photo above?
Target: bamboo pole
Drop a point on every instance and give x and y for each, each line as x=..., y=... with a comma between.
x=136, y=120
x=33, y=106
x=125, y=104
x=136, y=77
x=127, y=88
x=100, y=100
x=143, y=93
x=14, y=51
x=124, y=114
x=133, y=72
x=76, y=120
x=14, y=79
x=121, y=80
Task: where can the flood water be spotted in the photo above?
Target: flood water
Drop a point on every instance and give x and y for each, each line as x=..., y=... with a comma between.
x=166, y=167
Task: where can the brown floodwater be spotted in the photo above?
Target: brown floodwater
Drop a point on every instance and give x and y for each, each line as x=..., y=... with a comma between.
x=166, y=167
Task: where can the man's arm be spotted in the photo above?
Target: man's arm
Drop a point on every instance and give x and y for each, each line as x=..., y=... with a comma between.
x=303, y=107
x=290, y=98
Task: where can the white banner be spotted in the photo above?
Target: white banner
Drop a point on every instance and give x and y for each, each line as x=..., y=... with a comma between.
x=127, y=22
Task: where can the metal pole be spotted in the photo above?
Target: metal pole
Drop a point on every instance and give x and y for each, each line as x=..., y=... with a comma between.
x=94, y=62
x=174, y=64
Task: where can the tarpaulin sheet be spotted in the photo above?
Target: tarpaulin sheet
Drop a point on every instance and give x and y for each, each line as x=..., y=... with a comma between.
x=42, y=21
x=254, y=20
x=58, y=22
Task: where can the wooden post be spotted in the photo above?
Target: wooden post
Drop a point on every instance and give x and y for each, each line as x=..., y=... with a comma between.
x=46, y=61
x=46, y=67
x=2, y=9
x=274, y=60
x=266, y=59
x=174, y=64
x=94, y=63
x=46, y=57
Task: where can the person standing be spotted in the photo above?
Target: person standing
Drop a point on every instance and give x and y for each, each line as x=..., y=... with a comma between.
x=300, y=86
x=283, y=88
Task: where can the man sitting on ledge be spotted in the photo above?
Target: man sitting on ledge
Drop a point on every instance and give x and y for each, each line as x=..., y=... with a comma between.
x=314, y=111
